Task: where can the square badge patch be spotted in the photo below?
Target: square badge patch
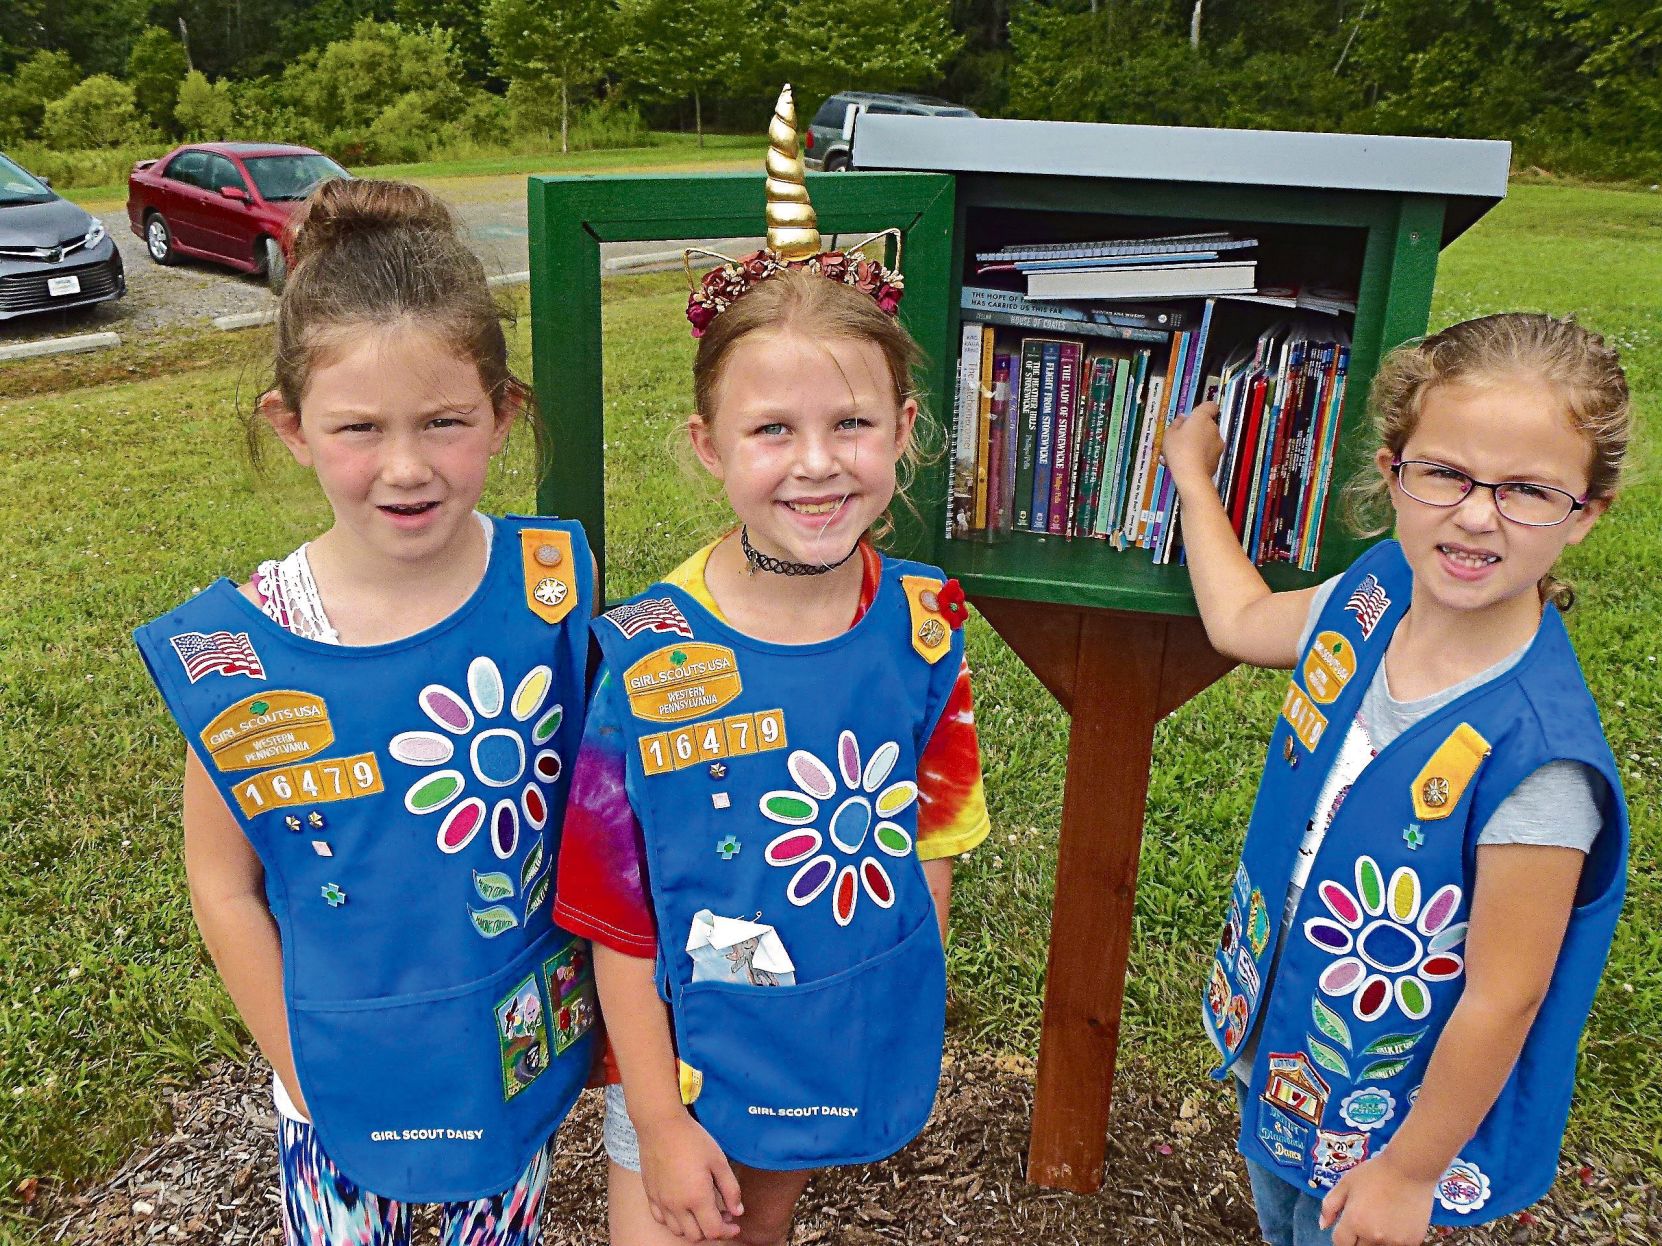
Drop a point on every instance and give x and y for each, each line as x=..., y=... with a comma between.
x=570, y=977
x=521, y=1037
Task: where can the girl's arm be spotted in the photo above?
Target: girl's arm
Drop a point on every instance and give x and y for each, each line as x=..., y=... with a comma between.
x=938, y=873
x=227, y=898
x=1244, y=619
x=690, y=1186
x=1511, y=950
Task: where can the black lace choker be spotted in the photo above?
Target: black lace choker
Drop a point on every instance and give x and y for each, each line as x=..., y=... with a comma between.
x=765, y=562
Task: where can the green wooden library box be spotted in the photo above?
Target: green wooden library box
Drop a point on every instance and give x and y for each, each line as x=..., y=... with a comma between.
x=1360, y=214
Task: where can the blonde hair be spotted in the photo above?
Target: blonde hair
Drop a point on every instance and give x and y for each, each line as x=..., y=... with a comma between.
x=1584, y=372
x=818, y=309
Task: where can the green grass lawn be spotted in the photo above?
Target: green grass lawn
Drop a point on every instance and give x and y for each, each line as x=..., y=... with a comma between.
x=125, y=496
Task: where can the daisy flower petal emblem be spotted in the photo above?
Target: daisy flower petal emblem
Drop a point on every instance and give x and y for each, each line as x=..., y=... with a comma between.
x=1389, y=941
x=852, y=801
x=476, y=763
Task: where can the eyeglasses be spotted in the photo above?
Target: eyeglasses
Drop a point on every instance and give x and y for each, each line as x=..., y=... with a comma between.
x=1521, y=501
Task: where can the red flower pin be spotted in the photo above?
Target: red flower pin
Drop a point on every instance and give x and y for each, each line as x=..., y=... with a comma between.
x=951, y=603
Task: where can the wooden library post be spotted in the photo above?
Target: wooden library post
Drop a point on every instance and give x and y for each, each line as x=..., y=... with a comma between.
x=1111, y=634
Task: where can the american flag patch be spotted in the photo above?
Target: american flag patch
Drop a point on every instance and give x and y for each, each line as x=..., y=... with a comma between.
x=1368, y=603
x=655, y=614
x=217, y=653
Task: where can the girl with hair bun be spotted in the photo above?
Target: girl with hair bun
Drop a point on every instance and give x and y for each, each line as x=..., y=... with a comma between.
x=378, y=725
x=1438, y=853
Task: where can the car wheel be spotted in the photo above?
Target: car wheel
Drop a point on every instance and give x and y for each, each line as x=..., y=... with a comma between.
x=274, y=264
x=837, y=162
x=158, y=239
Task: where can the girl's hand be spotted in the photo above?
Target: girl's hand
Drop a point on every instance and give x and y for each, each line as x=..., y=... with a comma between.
x=690, y=1186
x=1192, y=444
x=1375, y=1205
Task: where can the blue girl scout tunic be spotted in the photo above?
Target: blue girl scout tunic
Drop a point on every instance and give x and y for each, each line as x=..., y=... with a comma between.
x=1374, y=958
x=777, y=784
x=405, y=800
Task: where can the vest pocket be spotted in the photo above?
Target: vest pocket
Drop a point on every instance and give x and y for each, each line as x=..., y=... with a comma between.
x=842, y=1070
x=444, y=1095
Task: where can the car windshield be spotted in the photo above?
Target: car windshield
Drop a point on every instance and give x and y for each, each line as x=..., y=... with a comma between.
x=290, y=177
x=16, y=186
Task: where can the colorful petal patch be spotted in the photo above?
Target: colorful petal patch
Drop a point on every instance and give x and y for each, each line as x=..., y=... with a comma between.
x=789, y=808
x=893, y=839
x=1370, y=885
x=547, y=725
x=811, y=775
x=1405, y=894
x=434, y=791
x=535, y=806
x=421, y=748
x=1404, y=943
x=791, y=847
x=850, y=824
x=505, y=829
x=498, y=757
x=446, y=709
x=528, y=697
x=547, y=765
x=842, y=900
x=848, y=760
x=1373, y=999
x=461, y=824
x=1342, y=976
x=1330, y=936
x=484, y=685
x=877, y=884
x=810, y=880
x=896, y=797
x=1341, y=904
x=1439, y=909
x=879, y=766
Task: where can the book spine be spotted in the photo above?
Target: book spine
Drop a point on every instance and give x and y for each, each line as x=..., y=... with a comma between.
x=962, y=485
x=1060, y=324
x=1147, y=421
x=1127, y=246
x=1081, y=442
x=998, y=446
x=983, y=422
x=1032, y=364
x=1169, y=395
x=1062, y=443
x=1125, y=449
x=1127, y=380
x=1098, y=388
x=1045, y=459
x=1325, y=481
x=989, y=298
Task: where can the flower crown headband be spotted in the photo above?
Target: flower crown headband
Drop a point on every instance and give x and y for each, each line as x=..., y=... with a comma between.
x=793, y=239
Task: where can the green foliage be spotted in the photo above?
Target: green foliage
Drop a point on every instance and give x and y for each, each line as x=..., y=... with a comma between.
x=348, y=84
x=566, y=43
x=878, y=45
x=44, y=77
x=204, y=111
x=155, y=68
x=681, y=48
x=99, y=112
x=606, y=125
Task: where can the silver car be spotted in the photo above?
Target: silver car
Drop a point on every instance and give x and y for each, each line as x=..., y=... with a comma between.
x=830, y=139
x=52, y=254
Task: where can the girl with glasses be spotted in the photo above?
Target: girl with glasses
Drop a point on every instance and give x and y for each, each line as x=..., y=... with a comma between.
x=1437, y=856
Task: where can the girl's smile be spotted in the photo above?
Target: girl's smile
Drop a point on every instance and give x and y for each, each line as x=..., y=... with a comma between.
x=805, y=440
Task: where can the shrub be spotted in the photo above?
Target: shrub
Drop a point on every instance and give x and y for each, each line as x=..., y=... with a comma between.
x=349, y=83
x=44, y=76
x=81, y=170
x=155, y=68
x=100, y=112
x=608, y=125
x=204, y=111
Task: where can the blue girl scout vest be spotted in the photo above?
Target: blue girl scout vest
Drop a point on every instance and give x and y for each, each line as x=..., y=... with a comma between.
x=1374, y=958
x=778, y=784
x=406, y=802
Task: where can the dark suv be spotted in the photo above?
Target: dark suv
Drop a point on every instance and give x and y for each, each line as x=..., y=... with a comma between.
x=830, y=137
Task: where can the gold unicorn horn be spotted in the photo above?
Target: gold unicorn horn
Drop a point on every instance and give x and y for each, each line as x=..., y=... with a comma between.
x=793, y=230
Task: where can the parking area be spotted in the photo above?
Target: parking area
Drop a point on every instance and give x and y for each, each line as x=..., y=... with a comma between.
x=193, y=292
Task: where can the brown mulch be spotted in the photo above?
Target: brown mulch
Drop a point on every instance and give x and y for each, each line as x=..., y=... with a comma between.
x=1173, y=1179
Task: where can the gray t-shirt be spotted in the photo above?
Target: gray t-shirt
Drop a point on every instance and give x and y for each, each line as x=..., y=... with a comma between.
x=1558, y=805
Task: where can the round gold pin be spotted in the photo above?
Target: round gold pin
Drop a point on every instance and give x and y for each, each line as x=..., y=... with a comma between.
x=1435, y=792
x=547, y=555
x=932, y=632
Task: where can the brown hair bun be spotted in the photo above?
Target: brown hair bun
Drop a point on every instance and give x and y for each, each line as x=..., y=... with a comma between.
x=341, y=209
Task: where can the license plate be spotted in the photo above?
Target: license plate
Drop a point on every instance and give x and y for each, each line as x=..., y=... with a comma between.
x=57, y=287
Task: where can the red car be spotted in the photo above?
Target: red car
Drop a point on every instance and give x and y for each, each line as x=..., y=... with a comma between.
x=226, y=202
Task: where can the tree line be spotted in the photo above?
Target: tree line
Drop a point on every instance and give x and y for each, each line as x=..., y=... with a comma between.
x=1575, y=84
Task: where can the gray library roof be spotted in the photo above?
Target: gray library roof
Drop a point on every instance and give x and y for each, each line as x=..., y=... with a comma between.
x=1469, y=173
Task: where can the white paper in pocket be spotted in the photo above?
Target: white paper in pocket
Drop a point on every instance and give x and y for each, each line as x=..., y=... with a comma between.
x=731, y=949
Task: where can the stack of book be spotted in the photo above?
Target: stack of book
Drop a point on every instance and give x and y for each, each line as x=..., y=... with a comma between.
x=1171, y=266
x=1060, y=412
x=1279, y=405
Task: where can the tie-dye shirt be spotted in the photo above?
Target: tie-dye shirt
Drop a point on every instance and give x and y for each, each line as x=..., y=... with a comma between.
x=601, y=890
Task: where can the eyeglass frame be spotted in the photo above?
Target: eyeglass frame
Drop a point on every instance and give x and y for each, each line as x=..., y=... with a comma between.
x=1472, y=482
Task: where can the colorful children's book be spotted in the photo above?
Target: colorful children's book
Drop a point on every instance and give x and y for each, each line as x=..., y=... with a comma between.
x=1045, y=458
x=1032, y=364
x=983, y=419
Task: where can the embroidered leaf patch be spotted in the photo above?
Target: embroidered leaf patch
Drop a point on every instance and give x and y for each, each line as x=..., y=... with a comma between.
x=533, y=863
x=1331, y=1024
x=1393, y=1044
x=1327, y=1057
x=492, y=921
x=539, y=893
x=493, y=886
x=1383, y=1070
